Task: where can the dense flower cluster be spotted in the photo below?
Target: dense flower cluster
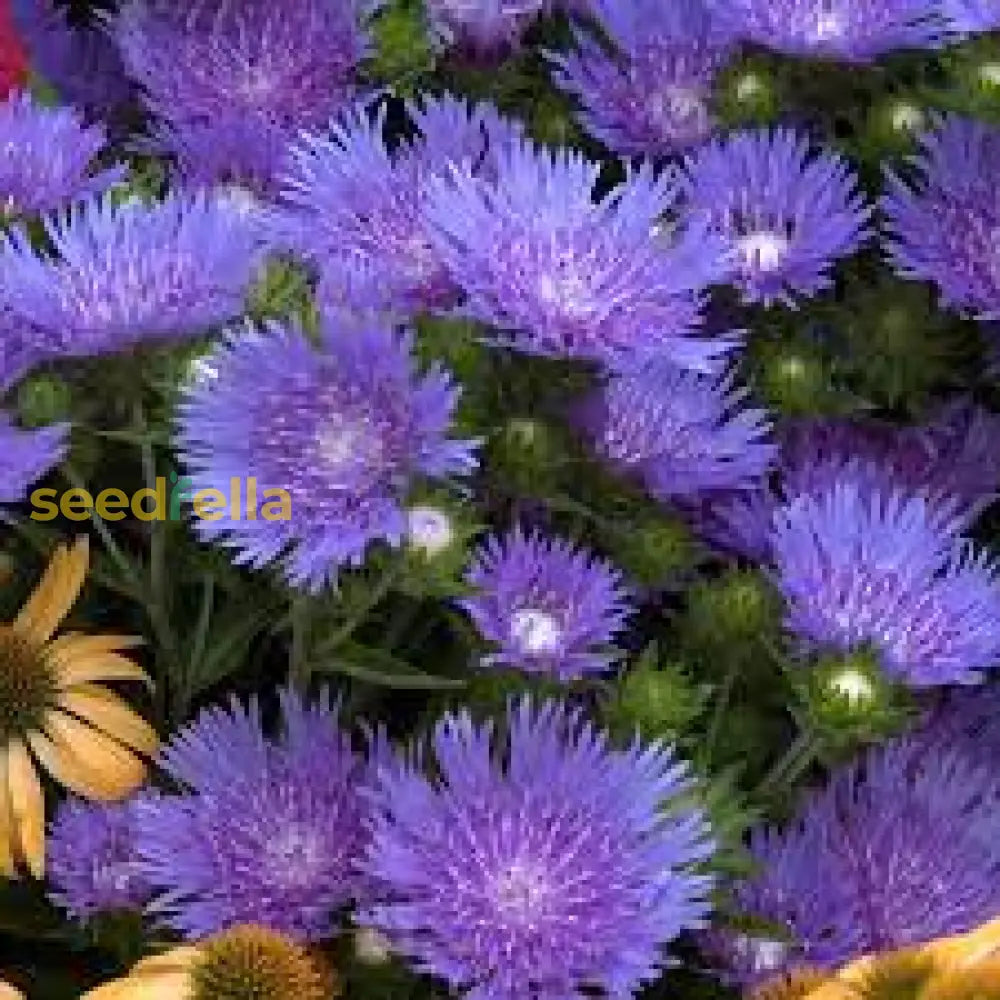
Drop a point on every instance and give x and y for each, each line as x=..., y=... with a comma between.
x=476, y=410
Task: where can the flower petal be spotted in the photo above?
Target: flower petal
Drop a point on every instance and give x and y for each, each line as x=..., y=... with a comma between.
x=56, y=592
x=7, y=866
x=175, y=960
x=8, y=992
x=85, y=761
x=167, y=986
x=27, y=806
x=78, y=658
x=111, y=715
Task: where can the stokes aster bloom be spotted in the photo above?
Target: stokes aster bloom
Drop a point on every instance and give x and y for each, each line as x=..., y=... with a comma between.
x=944, y=230
x=537, y=869
x=652, y=96
x=125, y=274
x=861, y=565
x=679, y=432
x=358, y=211
x=786, y=212
x=93, y=867
x=896, y=851
x=268, y=830
x=343, y=429
x=549, y=607
x=852, y=30
x=561, y=275
x=270, y=70
x=969, y=17
x=46, y=157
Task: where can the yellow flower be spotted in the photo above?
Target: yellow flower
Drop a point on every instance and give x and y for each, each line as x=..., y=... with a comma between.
x=53, y=716
x=8, y=992
x=245, y=963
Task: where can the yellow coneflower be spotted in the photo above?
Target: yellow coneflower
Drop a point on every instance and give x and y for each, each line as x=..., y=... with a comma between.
x=53, y=715
x=796, y=985
x=972, y=982
x=8, y=992
x=245, y=963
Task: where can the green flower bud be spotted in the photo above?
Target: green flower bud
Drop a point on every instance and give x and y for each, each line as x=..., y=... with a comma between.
x=658, y=700
x=43, y=399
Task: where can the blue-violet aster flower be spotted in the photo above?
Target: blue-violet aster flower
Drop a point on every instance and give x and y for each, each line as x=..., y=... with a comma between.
x=863, y=566
x=92, y=865
x=277, y=69
x=787, y=212
x=944, y=229
x=652, y=94
x=680, y=433
x=481, y=29
x=26, y=455
x=540, y=866
x=123, y=274
x=896, y=851
x=343, y=429
x=562, y=275
x=549, y=607
x=858, y=31
x=264, y=831
x=47, y=157
x=969, y=17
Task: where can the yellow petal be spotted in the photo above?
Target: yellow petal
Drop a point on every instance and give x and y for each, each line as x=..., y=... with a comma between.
x=81, y=658
x=167, y=986
x=86, y=761
x=176, y=960
x=8, y=992
x=27, y=806
x=56, y=592
x=7, y=828
x=111, y=715
x=968, y=949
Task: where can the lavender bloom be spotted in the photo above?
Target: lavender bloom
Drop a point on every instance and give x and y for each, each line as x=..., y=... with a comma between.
x=786, y=212
x=486, y=29
x=273, y=69
x=351, y=202
x=81, y=63
x=860, y=566
x=968, y=17
x=857, y=31
x=549, y=608
x=342, y=429
x=92, y=864
x=268, y=832
x=679, y=432
x=27, y=455
x=652, y=96
x=124, y=274
x=896, y=851
x=540, y=871
x=46, y=157
x=944, y=230
x=562, y=276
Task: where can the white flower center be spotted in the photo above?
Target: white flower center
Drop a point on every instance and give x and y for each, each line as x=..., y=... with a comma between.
x=749, y=86
x=535, y=632
x=371, y=947
x=852, y=684
x=678, y=103
x=763, y=954
x=763, y=250
x=907, y=118
x=829, y=25
x=566, y=290
x=429, y=530
x=521, y=890
x=989, y=74
x=345, y=444
x=241, y=200
x=295, y=856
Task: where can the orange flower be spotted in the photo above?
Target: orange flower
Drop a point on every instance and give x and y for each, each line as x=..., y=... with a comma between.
x=54, y=717
x=241, y=962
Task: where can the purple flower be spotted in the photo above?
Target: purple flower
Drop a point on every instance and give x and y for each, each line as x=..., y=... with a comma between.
x=678, y=432
x=81, y=63
x=124, y=274
x=264, y=831
x=856, y=31
x=481, y=28
x=539, y=868
x=653, y=95
x=861, y=565
x=564, y=276
x=786, y=212
x=549, y=608
x=969, y=17
x=944, y=230
x=897, y=850
x=47, y=157
x=27, y=455
x=92, y=863
x=276, y=68
x=342, y=429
